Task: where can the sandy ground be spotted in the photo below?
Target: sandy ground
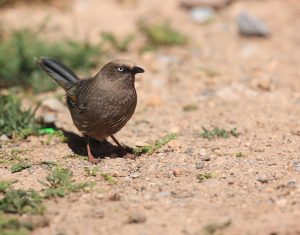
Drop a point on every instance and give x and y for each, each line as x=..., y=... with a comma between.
x=256, y=89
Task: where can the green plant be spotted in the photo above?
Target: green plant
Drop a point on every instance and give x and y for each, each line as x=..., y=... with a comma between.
x=20, y=166
x=5, y=184
x=60, y=183
x=53, y=134
x=204, y=176
x=13, y=226
x=218, y=133
x=14, y=121
x=91, y=171
x=109, y=178
x=18, y=55
x=21, y=202
x=150, y=149
x=240, y=154
x=160, y=34
x=119, y=44
x=190, y=107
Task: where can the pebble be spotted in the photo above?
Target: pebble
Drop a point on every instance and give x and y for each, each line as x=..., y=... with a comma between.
x=249, y=25
x=216, y=4
x=4, y=138
x=135, y=175
x=115, y=197
x=202, y=152
x=291, y=183
x=281, y=202
x=202, y=14
x=164, y=194
x=49, y=118
x=53, y=104
x=98, y=213
x=199, y=165
x=136, y=218
x=263, y=180
x=205, y=158
x=297, y=166
x=189, y=151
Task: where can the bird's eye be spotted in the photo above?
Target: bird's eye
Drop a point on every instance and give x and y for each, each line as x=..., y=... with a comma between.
x=120, y=69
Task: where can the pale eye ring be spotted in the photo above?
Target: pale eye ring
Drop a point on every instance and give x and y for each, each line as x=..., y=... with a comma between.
x=120, y=69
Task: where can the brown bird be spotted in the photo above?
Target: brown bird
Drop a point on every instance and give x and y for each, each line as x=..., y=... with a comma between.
x=101, y=105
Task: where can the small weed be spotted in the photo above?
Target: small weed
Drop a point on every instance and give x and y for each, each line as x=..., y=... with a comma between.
x=91, y=171
x=240, y=154
x=150, y=149
x=204, y=176
x=119, y=44
x=60, y=183
x=5, y=184
x=218, y=133
x=190, y=107
x=48, y=163
x=56, y=134
x=12, y=226
x=18, y=65
x=212, y=228
x=20, y=166
x=14, y=121
x=160, y=34
x=109, y=178
x=21, y=202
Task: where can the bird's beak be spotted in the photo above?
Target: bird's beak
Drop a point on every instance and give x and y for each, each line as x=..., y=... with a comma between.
x=136, y=69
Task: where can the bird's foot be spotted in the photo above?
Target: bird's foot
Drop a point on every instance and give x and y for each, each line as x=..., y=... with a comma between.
x=93, y=160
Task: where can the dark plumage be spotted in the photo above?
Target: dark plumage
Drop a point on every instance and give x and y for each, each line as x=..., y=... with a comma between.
x=100, y=106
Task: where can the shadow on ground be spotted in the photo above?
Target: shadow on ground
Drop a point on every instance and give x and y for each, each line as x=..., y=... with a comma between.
x=100, y=149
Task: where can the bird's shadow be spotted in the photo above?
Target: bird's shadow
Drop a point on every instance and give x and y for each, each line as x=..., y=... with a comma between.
x=100, y=149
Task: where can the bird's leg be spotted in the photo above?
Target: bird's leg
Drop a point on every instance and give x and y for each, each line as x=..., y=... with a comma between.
x=117, y=142
x=91, y=158
x=125, y=149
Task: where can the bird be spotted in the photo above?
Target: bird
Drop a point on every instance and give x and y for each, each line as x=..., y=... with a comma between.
x=101, y=105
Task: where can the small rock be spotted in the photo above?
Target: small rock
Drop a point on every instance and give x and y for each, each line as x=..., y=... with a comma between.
x=136, y=218
x=263, y=180
x=291, y=183
x=49, y=119
x=98, y=213
x=176, y=172
x=297, y=166
x=135, y=175
x=264, y=84
x=164, y=194
x=249, y=25
x=216, y=4
x=202, y=152
x=189, y=151
x=53, y=104
x=4, y=138
x=199, y=165
x=281, y=202
x=115, y=197
x=218, y=151
x=205, y=158
x=202, y=14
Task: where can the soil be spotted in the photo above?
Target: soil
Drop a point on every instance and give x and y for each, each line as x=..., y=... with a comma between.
x=253, y=85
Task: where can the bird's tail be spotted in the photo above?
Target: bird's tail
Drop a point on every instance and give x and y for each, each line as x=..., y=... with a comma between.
x=59, y=72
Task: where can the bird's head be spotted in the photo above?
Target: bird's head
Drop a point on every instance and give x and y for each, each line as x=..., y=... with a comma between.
x=122, y=71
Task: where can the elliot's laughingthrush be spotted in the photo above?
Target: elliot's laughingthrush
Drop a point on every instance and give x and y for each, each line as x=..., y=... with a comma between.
x=101, y=105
